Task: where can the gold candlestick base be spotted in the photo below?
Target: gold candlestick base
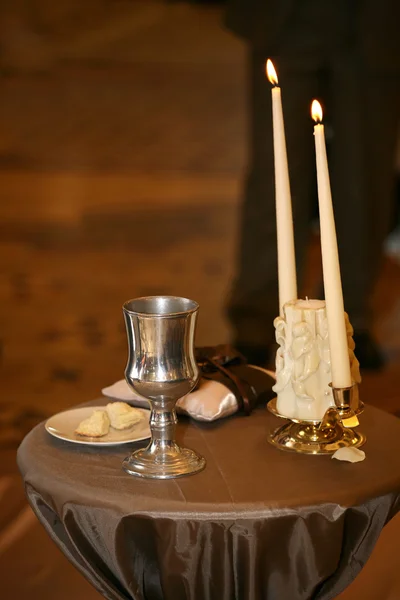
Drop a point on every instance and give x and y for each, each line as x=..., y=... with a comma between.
x=316, y=437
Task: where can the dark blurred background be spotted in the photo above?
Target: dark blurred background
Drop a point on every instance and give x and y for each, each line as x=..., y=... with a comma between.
x=122, y=148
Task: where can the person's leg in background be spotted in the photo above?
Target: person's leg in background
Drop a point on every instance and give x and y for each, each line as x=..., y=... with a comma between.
x=365, y=116
x=253, y=304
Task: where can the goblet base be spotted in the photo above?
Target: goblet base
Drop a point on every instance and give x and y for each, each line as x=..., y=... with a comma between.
x=178, y=463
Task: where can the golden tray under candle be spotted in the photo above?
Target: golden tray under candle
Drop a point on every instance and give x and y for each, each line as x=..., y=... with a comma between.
x=315, y=437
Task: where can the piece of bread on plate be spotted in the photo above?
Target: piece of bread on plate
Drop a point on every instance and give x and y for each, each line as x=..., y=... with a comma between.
x=97, y=425
x=123, y=416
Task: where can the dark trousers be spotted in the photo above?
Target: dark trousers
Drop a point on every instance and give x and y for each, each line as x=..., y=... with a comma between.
x=361, y=111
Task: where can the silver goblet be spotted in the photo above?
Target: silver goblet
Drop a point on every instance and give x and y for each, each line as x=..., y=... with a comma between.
x=162, y=368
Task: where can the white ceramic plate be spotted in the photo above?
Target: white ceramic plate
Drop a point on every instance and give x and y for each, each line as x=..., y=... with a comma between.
x=63, y=425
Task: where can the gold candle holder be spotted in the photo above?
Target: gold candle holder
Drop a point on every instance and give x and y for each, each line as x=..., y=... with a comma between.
x=324, y=436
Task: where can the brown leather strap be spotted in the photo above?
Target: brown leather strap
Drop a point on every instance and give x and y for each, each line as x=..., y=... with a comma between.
x=244, y=401
x=220, y=358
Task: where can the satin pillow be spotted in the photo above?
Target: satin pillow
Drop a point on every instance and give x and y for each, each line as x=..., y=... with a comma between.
x=211, y=400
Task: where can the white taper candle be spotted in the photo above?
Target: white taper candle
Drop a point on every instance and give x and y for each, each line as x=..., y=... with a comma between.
x=284, y=219
x=340, y=361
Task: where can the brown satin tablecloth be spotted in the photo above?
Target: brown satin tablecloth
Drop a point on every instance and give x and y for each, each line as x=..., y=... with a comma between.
x=257, y=523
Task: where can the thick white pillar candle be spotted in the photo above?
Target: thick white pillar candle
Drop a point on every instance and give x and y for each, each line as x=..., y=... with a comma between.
x=284, y=219
x=340, y=363
x=303, y=370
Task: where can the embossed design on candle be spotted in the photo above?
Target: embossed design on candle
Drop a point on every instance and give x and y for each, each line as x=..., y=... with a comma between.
x=354, y=364
x=303, y=366
x=306, y=359
x=282, y=362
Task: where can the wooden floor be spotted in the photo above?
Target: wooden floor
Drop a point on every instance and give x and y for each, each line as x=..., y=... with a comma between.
x=120, y=170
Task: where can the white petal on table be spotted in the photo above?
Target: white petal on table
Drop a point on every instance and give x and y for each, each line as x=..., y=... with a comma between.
x=352, y=455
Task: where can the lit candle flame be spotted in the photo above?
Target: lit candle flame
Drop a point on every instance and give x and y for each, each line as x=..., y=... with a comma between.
x=316, y=111
x=271, y=73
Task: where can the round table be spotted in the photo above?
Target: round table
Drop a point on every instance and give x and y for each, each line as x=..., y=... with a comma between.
x=257, y=523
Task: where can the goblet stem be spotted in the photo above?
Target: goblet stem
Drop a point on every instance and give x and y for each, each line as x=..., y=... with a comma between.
x=163, y=458
x=163, y=422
